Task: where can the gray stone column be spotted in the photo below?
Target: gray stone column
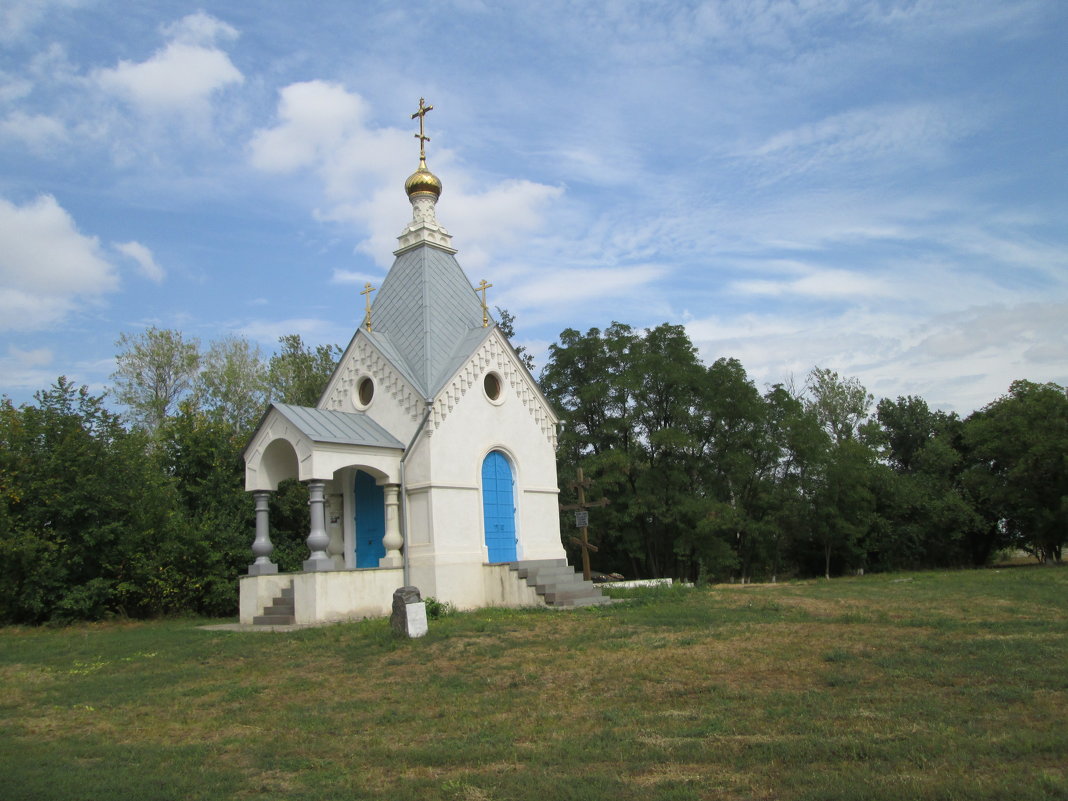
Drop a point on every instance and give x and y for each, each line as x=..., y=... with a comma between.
x=318, y=540
x=392, y=539
x=262, y=546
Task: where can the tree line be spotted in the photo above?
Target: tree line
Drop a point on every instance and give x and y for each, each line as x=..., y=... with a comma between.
x=707, y=477
x=145, y=513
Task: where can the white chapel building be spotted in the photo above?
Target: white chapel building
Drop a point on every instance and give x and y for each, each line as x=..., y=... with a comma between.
x=430, y=457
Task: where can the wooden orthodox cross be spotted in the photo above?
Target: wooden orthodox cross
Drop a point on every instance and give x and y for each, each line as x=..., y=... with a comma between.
x=367, y=290
x=422, y=137
x=485, y=309
x=582, y=519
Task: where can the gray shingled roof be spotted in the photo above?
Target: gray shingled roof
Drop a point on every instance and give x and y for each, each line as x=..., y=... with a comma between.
x=346, y=428
x=425, y=312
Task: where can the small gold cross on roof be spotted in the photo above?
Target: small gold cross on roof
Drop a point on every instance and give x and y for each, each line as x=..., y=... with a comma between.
x=485, y=309
x=367, y=290
x=421, y=136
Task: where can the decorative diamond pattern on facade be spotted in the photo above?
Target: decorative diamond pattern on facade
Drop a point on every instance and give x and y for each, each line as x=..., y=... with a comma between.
x=494, y=355
x=368, y=360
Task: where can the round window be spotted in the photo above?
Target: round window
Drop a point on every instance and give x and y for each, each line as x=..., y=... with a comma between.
x=365, y=391
x=492, y=384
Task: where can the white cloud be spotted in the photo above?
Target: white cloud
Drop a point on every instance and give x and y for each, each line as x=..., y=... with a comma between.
x=553, y=288
x=144, y=259
x=873, y=135
x=199, y=29
x=323, y=127
x=17, y=17
x=350, y=277
x=1035, y=331
x=13, y=88
x=312, y=330
x=38, y=132
x=24, y=369
x=816, y=282
x=315, y=118
x=959, y=361
x=180, y=76
x=504, y=211
x=46, y=264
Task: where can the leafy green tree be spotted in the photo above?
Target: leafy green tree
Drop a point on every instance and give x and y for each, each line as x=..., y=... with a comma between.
x=842, y=505
x=232, y=385
x=905, y=427
x=840, y=509
x=85, y=511
x=298, y=374
x=587, y=380
x=201, y=454
x=929, y=516
x=1019, y=449
x=154, y=370
x=840, y=404
x=671, y=443
x=666, y=377
x=737, y=458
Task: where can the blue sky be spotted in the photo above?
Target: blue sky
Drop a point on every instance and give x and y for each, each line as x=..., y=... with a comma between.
x=874, y=187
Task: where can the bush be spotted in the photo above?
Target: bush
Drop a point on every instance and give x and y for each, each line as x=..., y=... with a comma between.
x=436, y=610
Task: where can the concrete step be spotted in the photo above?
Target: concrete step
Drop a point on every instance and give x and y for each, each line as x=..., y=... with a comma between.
x=551, y=575
x=273, y=620
x=524, y=569
x=281, y=611
x=537, y=563
x=558, y=584
x=573, y=582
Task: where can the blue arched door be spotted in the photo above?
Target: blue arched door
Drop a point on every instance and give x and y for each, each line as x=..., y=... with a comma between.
x=370, y=520
x=498, y=507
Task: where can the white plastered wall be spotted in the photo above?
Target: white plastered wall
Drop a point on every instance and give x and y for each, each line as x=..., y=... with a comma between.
x=324, y=597
x=444, y=479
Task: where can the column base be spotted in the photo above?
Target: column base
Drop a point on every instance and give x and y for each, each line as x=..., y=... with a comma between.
x=319, y=565
x=391, y=561
x=262, y=569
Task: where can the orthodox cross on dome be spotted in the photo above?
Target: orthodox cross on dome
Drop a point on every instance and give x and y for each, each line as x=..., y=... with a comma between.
x=485, y=309
x=421, y=136
x=367, y=290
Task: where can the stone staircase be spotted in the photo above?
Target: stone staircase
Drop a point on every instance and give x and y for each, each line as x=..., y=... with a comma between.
x=558, y=583
x=280, y=612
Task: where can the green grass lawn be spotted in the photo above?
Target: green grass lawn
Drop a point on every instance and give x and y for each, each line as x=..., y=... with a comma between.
x=908, y=686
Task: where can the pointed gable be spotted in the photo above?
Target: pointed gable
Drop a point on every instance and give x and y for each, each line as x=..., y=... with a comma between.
x=424, y=313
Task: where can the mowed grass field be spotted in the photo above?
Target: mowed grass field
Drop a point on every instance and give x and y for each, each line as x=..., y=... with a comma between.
x=941, y=685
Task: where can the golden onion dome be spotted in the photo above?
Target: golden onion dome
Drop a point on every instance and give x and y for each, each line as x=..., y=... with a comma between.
x=423, y=181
